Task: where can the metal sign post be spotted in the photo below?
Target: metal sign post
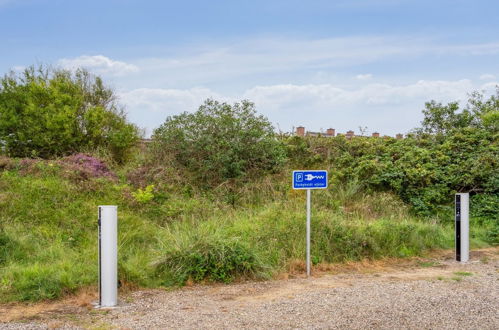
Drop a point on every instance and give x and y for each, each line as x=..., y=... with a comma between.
x=309, y=193
x=309, y=180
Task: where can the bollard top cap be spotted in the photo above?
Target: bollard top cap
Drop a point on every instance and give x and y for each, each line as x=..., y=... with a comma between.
x=108, y=206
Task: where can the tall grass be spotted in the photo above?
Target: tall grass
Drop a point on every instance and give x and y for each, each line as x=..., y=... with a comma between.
x=48, y=232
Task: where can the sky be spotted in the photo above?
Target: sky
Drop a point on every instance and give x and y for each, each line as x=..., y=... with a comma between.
x=369, y=64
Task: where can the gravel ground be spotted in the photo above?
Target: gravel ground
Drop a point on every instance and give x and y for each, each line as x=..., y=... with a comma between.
x=443, y=296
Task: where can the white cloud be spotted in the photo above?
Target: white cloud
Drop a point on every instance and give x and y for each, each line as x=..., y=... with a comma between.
x=99, y=64
x=292, y=81
x=386, y=108
x=252, y=62
x=366, y=76
x=327, y=96
x=149, y=107
x=168, y=101
x=487, y=76
x=490, y=87
x=383, y=107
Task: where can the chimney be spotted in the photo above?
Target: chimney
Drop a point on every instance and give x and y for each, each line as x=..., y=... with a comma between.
x=350, y=134
x=376, y=134
x=399, y=136
x=330, y=132
x=300, y=131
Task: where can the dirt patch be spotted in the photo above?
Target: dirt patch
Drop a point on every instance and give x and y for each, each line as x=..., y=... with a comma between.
x=79, y=302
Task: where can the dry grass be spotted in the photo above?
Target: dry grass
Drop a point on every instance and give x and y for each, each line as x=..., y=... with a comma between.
x=297, y=267
x=82, y=300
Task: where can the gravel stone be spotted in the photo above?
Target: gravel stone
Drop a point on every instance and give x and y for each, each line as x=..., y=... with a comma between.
x=413, y=298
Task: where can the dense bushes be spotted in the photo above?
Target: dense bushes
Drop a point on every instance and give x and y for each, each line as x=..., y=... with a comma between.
x=219, y=142
x=452, y=152
x=422, y=170
x=50, y=112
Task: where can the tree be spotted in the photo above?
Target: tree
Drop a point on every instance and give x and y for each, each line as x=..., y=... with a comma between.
x=486, y=112
x=52, y=112
x=479, y=113
x=441, y=119
x=219, y=142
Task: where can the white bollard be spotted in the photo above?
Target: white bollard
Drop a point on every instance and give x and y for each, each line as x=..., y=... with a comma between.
x=462, y=227
x=108, y=256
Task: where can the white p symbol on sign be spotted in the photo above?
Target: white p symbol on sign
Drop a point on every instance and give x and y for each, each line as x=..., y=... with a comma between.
x=299, y=177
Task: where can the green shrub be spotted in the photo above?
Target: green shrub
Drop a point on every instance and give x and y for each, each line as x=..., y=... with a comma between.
x=485, y=217
x=218, y=142
x=423, y=171
x=51, y=112
x=483, y=207
x=455, y=150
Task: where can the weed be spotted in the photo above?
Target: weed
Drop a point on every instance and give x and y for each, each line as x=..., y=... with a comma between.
x=463, y=273
x=144, y=195
x=428, y=264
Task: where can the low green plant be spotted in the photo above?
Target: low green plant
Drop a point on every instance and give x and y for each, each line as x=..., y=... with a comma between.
x=426, y=264
x=463, y=273
x=144, y=195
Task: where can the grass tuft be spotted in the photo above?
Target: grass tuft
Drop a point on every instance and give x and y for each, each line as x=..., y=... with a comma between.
x=463, y=273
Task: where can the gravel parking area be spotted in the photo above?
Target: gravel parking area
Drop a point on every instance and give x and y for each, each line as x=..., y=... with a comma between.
x=434, y=294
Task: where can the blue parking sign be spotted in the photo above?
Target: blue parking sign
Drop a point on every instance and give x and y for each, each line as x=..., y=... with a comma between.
x=310, y=179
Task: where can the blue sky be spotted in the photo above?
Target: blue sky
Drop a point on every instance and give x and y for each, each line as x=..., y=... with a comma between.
x=320, y=64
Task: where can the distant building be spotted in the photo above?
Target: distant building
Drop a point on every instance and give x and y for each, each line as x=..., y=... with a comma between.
x=331, y=132
x=300, y=131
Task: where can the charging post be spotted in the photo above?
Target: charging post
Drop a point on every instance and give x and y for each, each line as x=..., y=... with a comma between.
x=462, y=220
x=309, y=180
x=108, y=256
